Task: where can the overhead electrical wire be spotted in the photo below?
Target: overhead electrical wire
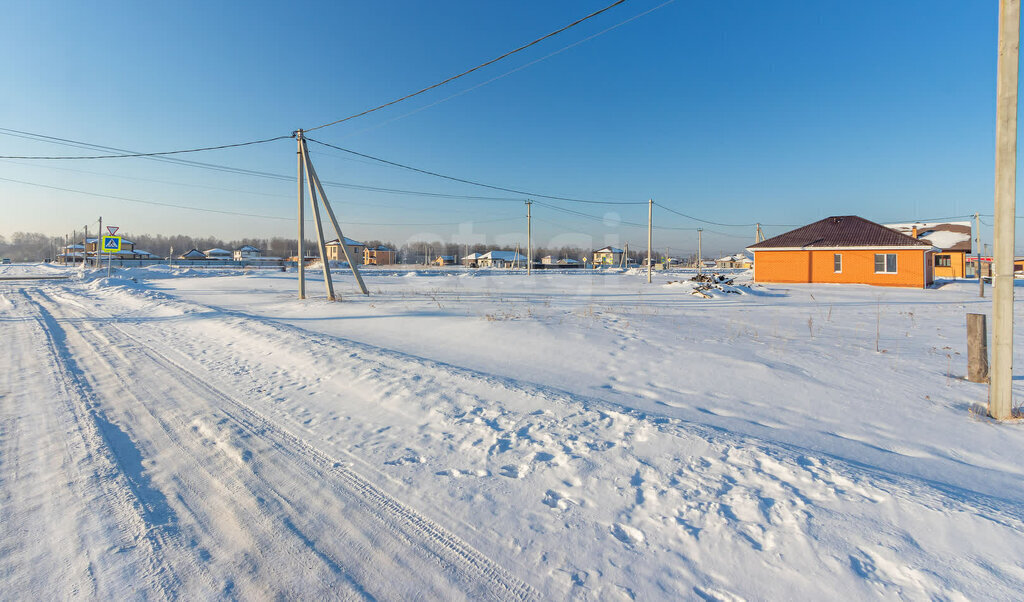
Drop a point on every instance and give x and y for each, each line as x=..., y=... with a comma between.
x=511, y=71
x=241, y=213
x=157, y=154
x=473, y=183
x=468, y=71
x=250, y=172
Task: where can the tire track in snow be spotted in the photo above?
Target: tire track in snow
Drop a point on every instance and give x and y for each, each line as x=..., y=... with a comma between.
x=466, y=566
x=136, y=505
x=1004, y=511
x=734, y=493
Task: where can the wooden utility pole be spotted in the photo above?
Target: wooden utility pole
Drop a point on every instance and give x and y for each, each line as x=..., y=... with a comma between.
x=99, y=239
x=302, y=221
x=529, y=239
x=977, y=248
x=650, y=237
x=85, y=248
x=1000, y=393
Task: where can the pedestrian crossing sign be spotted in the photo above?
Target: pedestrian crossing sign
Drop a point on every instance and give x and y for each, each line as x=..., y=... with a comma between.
x=111, y=244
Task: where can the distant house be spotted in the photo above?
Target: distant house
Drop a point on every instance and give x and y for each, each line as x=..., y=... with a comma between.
x=738, y=261
x=953, y=239
x=247, y=252
x=472, y=260
x=501, y=259
x=378, y=256
x=550, y=262
x=193, y=255
x=72, y=253
x=216, y=253
x=844, y=249
x=443, y=260
x=607, y=256
x=354, y=247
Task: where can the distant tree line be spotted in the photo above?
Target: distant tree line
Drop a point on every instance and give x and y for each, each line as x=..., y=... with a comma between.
x=32, y=246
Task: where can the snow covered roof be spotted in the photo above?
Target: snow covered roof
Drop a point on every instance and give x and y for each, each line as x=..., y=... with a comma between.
x=609, y=249
x=348, y=242
x=472, y=256
x=383, y=248
x=216, y=251
x=948, y=236
x=193, y=254
x=124, y=241
x=249, y=248
x=503, y=255
x=736, y=257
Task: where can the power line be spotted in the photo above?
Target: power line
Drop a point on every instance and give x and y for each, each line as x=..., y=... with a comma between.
x=468, y=71
x=247, y=172
x=515, y=70
x=704, y=221
x=473, y=183
x=240, y=213
x=159, y=154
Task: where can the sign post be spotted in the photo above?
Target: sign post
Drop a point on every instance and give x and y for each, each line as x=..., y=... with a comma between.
x=112, y=230
x=111, y=244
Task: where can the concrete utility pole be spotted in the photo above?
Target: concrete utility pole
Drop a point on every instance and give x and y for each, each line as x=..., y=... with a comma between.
x=977, y=249
x=85, y=248
x=700, y=260
x=301, y=264
x=1000, y=393
x=334, y=223
x=529, y=239
x=324, y=262
x=650, y=237
x=99, y=237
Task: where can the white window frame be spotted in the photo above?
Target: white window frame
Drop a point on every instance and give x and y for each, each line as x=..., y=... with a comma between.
x=885, y=263
x=839, y=257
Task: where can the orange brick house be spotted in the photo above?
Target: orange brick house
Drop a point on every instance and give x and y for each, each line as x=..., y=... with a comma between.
x=378, y=256
x=844, y=249
x=953, y=240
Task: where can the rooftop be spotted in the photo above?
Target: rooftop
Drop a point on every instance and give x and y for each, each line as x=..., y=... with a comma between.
x=840, y=231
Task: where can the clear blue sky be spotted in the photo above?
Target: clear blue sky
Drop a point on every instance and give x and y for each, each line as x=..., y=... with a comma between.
x=735, y=112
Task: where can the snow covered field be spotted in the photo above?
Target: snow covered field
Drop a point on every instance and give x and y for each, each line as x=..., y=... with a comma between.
x=488, y=435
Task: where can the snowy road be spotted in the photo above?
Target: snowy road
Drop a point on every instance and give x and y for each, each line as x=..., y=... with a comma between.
x=201, y=492
x=159, y=446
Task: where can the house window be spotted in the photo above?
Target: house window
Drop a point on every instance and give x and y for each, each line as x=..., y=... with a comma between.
x=885, y=263
x=943, y=261
x=837, y=263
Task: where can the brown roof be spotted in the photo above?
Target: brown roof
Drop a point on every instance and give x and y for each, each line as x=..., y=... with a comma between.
x=841, y=231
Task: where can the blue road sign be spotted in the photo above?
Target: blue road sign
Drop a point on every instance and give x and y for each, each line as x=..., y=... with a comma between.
x=111, y=244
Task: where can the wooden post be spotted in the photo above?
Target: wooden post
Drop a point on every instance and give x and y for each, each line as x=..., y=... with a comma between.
x=1000, y=394
x=302, y=221
x=650, y=238
x=977, y=349
x=337, y=228
x=324, y=262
